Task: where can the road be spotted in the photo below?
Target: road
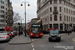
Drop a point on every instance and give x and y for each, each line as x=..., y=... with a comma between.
x=3, y=45
x=44, y=44
x=67, y=43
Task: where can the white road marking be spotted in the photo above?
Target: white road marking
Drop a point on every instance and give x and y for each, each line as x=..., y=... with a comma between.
x=59, y=45
x=33, y=49
x=31, y=43
x=32, y=46
x=73, y=39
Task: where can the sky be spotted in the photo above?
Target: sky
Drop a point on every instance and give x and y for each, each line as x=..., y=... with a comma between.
x=30, y=10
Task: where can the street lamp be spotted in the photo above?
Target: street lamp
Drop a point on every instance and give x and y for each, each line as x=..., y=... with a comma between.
x=25, y=13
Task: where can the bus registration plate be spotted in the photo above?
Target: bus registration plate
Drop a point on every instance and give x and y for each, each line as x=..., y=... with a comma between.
x=36, y=36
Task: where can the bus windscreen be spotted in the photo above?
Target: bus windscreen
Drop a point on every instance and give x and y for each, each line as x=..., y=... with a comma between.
x=37, y=30
x=36, y=25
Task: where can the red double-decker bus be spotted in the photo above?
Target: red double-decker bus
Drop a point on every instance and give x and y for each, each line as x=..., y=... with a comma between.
x=35, y=28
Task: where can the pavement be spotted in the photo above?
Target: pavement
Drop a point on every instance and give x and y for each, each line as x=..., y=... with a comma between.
x=20, y=40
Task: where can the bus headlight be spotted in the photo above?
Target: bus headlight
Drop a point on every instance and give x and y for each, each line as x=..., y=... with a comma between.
x=41, y=33
x=31, y=33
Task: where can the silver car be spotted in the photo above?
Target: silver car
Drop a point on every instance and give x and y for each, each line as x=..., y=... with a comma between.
x=4, y=36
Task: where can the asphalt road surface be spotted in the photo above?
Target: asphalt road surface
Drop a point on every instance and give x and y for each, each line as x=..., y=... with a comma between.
x=3, y=45
x=67, y=43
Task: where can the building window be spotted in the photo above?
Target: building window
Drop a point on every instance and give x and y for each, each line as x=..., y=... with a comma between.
x=6, y=8
x=2, y=21
x=55, y=1
x=67, y=18
x=55, y=8
x=55, y=17
x=74, y=1
x=50, y=17
x=6, y=13
x=2, y=16
x=2, y=7
x=60, y=1
x=71, y=19
x=6, y=4
x=6, y=0
x=60, y=18
x=55, y=25
x=2, y=11
x=60, y=9
x=2, y=2
x=50, y=9
x=45, y=19
x=64, y=2
x=69, y=11
x=50, y=25
x=51, y=2
x=64, y=18
x=61, y=27
x=64, y=10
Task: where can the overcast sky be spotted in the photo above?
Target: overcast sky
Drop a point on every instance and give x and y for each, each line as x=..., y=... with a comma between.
x=30, y=10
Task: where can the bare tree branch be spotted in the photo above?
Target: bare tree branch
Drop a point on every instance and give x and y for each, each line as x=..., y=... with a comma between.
x=16, y=17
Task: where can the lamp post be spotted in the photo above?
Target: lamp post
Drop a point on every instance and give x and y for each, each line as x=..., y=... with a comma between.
x=25, y=13
x=21, y=21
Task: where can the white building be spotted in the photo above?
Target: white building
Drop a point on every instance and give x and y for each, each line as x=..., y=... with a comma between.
x=3, y=13
x=56, y=13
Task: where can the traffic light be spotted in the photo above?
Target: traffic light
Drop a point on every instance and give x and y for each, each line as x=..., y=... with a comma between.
x=18, y=24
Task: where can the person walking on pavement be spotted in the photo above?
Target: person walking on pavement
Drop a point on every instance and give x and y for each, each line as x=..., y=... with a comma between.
x=68, y=32
x=19, y=33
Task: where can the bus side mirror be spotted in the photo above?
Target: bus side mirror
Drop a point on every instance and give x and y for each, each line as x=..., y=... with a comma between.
x=30, y=29
x=43, y=28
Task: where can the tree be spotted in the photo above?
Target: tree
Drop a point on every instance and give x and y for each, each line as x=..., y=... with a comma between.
x=16, y=17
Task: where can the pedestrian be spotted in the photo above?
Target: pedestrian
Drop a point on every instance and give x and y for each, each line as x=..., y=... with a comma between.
x=68, y=32
x=19, y=33
x=65, y=30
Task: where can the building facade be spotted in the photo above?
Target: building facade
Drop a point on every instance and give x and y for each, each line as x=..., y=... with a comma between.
x=10, y=14
x=56, y=13
x=3, y=13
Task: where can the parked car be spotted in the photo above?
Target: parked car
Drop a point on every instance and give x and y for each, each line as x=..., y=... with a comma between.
x=13, y=34
x=9, y=33
x=54, y=35
x=4, y=36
